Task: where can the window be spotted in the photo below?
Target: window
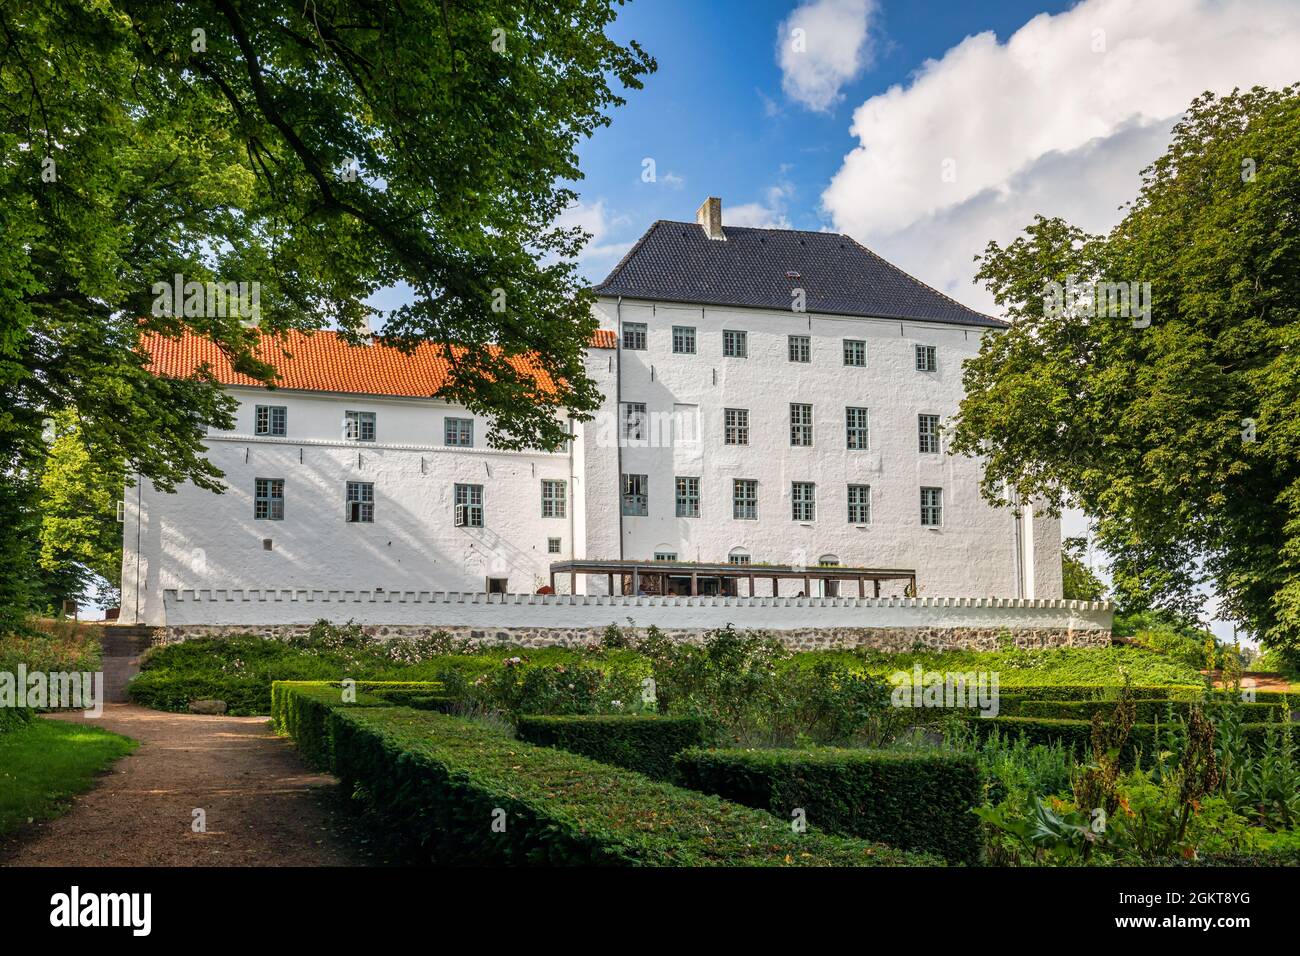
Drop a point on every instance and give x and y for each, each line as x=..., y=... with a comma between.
x=738, y=556
x=927, y=428
x=359, y=426
x=268, y=499
x=458, y=431
x=683, y=340
x=859, y=504
x=931, y=507
x=271, y=420
x=855, y=353
x=925, y=358
x=800, y=348
x=688, y=497
x=636, y=498
x=735, y=344
x=469, y=506
x=801, y=424
x=552, y=545
x=744, y=498
x=665, y=555
x=857, y=428
x=634, y=422
x=361, y=502
x=634, y=336
x=803, y=501
x=736, y=426
x=553, y=498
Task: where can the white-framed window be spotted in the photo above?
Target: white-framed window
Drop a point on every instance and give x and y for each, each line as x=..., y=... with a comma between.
x=634, y=334
x=859, y=504
x=744, y=499
x=688, y=497
x=855, y=353
x=554, y=496
x=684, y=339
x=931, y=507
x=271, y=420
x=358, y=426
x=801, y=425
x=468, y=506
x=552, y=545
x=857, y=428
x=926, y=359
x=360, y=502
x=800, y=348
x=738, y=556
x=636, y=495
x=735, y=343
x=803, y=501
x=634, y=422
x=665, y=555
x=268, y=499
x=927, y=433
x=458, y=431
x=735, y=426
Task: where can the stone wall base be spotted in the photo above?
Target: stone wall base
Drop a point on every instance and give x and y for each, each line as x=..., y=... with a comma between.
x=887, y=639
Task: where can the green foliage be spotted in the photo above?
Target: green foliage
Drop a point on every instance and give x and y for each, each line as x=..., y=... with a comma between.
x=645, y=743
x=1180, y=437
x=1148, y=711
x=300, y=709
x=916, y=800
x=1078, y=582
x=79, y=498
x=517, y=688
x=439, y=783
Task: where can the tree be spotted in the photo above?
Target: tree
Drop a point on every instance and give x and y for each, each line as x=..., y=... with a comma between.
x=1077, y=580
x=1180, y=435
x=80, y=537
x=322, y=151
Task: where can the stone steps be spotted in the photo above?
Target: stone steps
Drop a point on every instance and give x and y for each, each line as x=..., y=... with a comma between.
x=123, y=647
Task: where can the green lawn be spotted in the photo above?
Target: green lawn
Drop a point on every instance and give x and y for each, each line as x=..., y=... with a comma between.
x=48, y=762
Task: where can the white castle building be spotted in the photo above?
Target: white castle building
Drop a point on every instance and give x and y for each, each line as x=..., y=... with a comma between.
x=773, y=399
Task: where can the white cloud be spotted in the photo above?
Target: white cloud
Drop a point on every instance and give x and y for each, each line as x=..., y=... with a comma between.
x=767, y=214
x=1044, y=122
x=821, y=46
x=601, y=252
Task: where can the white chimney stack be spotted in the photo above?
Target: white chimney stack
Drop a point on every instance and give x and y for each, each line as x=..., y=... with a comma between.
x=709, y=216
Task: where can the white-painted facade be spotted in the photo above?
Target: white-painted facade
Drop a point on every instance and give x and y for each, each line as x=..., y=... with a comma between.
x=195, y=539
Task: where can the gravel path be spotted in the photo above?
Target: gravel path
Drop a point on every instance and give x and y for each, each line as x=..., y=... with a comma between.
x=263, y=807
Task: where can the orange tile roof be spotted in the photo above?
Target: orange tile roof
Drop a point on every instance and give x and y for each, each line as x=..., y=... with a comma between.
x=324, y=361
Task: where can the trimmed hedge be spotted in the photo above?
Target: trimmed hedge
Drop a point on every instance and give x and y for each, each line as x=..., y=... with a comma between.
x=159, y=690
x=1148, y=711
x=1085, y=692
x=300, y=709
x=917, y=801
x=441, y=783
x=646, y=744
x=1077, y=733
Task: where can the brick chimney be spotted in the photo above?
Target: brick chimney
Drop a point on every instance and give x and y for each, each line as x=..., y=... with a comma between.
x=709, y=216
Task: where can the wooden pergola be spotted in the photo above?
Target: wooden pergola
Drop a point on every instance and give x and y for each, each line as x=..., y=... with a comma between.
x=659, y=573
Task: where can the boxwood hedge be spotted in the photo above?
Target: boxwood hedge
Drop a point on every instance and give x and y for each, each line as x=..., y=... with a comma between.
x=916, y=800
x=300, y=709
x=467, y=793
x=646, y=744
x=1077, y=733
x=1148, y=711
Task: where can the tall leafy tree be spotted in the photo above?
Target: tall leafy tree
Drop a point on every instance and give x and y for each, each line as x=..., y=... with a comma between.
x=323, y=151
x=1181, y=435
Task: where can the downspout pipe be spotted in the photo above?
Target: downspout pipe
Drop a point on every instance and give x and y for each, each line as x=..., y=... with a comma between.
x=618, y=418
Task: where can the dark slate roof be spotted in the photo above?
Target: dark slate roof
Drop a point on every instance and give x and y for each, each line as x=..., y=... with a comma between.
x=676, y=262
